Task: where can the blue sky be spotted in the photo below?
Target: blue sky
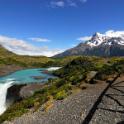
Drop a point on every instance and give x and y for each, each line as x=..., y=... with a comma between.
x=57, y=24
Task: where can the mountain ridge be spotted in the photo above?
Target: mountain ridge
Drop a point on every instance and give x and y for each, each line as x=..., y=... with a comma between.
x=98, y=45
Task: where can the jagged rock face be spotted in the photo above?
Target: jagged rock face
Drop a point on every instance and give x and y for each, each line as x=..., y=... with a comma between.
x=79, y=50
x=98, y=45
x=13, y=94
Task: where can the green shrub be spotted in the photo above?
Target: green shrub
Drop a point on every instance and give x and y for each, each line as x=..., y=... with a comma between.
x=19, y=108
x=60, y=95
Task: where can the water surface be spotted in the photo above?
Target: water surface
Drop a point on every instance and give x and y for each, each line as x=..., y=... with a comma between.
x=26, y=76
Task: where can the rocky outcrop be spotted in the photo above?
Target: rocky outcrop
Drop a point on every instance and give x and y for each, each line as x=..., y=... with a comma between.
x=13, y=94
x=18, y=92
x=90, y=76
x=29, y=89
x=81, y=49
x=5, y=70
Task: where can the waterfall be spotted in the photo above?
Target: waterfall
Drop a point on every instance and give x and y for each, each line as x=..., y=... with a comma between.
x=3, y=93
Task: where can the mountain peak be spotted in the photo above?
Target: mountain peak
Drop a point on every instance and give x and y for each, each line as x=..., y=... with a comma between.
x=96, y=40
x=110, y=43
x=96, y=34
x=109, y=38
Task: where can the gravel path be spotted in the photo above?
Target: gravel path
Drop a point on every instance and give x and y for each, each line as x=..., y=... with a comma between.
x=75, y=109
x=111, y=109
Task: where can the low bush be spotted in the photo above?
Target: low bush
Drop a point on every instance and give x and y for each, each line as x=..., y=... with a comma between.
x=60, y=95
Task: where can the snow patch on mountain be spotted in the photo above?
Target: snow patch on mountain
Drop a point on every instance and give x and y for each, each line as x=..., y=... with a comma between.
x=108, y=38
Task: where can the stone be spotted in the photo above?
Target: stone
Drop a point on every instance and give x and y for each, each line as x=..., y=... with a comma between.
x=90, y=76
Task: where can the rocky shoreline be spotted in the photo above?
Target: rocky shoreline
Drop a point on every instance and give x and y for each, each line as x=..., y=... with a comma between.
x=5, y=70
x=18, y=92
x=13, y=94
x=29, y=89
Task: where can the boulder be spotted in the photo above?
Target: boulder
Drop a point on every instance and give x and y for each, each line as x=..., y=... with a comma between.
x=29, y=89
x=90, y=76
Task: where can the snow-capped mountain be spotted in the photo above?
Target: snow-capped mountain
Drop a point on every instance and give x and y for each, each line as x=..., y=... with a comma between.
x=96, y=40
x=107, y=39
x=109, y=44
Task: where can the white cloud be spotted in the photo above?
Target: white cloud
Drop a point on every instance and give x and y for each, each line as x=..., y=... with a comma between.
x=38, y=39
x=71, y=3
x=21, y=47
x=84, y=38
x=109, y=33
x=112, y=33
x=65, y=3
x=57, y=3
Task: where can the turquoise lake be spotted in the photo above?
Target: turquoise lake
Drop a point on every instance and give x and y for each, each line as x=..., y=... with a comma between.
x=26, y=76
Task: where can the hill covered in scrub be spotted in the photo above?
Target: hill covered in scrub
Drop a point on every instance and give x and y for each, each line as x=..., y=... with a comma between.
x=9, y=58
x=78, y=69
x=76, y=74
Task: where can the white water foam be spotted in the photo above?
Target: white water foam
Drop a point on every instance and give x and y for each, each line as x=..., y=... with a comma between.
x=53, y=68
x=3, y=93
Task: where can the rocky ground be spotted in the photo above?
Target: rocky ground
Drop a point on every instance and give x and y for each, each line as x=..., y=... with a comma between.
x=111, y=108
x=101, y=103
x=29, y=89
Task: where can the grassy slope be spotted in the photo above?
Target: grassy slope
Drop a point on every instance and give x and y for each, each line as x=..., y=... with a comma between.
x=9, y=58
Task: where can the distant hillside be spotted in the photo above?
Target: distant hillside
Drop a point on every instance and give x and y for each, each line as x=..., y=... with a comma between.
x=4, y=51
x=9, y=58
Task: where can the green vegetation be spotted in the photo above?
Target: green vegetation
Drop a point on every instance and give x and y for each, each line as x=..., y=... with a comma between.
x=9, y=58
x=22, y=107
x=115, y=67
x=77, y=70
x=71, y=76
x=61, y=95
